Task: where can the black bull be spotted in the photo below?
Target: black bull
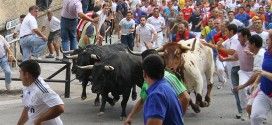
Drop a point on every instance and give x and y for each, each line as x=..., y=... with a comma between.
x=116, y=74
x=90, y=56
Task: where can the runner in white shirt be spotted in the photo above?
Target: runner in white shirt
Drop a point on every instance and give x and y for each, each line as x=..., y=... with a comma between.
x=145, y=34
x=159, y=24
x=258, y=27
x=232, y=20
x=41, y=104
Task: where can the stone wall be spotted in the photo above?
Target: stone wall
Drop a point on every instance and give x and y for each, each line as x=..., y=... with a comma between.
x=12, y=9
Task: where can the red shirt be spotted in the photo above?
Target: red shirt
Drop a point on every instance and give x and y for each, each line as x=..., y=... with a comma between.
x=185, y=36
x=216, y=39
x=187, y=12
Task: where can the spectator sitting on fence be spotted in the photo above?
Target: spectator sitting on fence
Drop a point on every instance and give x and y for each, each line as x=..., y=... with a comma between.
x=54, y=26
x=4, y=58
x=32, y=40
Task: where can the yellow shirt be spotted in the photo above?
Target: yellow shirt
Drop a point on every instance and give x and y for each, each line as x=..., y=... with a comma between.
x=181, y=3
x=205, y=31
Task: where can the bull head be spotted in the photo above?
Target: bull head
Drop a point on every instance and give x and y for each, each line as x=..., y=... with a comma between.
x=86, y=67
x=109, y=68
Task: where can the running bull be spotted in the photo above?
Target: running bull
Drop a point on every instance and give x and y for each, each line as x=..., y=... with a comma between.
x=116, y=74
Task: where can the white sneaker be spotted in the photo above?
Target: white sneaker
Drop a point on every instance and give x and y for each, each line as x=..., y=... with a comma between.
x=57, y=58
x=8, y=87
x=244, y=116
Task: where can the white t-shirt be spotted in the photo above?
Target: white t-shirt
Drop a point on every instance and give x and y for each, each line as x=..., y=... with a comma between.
x=232, y=43
x=102, y=18
x=237, y=23
x=264, y=35
x=53, y=24
x=113, y=7
x=3, y=46
x=126, y=26
x=145, y=34
x=38, y=98
x=158, y=23
x=258, y=60
x=29, y=23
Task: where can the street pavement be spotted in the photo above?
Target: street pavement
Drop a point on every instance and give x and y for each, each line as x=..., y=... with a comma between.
x=222, y=109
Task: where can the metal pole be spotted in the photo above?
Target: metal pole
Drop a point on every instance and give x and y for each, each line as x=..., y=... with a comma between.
x=68, y=79
x=57, y=72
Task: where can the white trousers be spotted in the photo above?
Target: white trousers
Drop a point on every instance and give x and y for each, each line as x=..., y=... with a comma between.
x=243, y=95
x=220, y=69
x=159, y=41
x=262, y=104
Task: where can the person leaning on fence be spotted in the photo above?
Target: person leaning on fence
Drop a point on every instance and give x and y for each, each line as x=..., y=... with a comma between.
x=42, y=106
x=32, y=40
x=54, y=26
x=4, y=58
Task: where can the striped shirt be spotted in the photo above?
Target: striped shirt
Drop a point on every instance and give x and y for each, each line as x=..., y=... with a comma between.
x=71, y=8
x=38, y=98
x=175, y=83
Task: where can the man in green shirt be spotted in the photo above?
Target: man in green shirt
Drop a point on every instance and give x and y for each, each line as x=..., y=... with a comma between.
x=175, y=83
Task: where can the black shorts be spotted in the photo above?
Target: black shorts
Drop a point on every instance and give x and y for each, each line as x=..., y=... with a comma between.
x=53, y=36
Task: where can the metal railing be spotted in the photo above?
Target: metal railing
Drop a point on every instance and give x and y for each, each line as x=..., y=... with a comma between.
x=66, y=67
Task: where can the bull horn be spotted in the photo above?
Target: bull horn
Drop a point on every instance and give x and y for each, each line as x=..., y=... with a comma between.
x=134, y=53
x=66, y=52
x=86, y=67
x=193, y=47
x=185, y=47
x=159, y=49
x=161, y=53
x=72, y=57
x=109, y=68
x=93, y=56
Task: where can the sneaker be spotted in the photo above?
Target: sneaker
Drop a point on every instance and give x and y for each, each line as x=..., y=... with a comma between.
x=244, y=116
x=57, y=58
x=49, y=56
x=8, y=87
x=238, y=116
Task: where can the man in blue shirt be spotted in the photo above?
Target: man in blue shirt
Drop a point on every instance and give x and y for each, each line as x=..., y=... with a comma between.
x=242, y=16
x=161, y=106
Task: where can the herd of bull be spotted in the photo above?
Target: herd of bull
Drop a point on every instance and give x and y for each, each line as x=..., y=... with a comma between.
x=117, y=70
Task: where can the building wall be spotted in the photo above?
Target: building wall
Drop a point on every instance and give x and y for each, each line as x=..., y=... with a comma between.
x=12, y=9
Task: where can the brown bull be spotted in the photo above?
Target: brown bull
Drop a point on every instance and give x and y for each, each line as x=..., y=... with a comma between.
x=194, y=62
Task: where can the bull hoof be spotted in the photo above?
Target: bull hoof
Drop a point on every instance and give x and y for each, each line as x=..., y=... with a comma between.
x=100, y=113
x=83, y=97
x=196, y=109
x=204, y=104
x=134, y=96
x=208, y=100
